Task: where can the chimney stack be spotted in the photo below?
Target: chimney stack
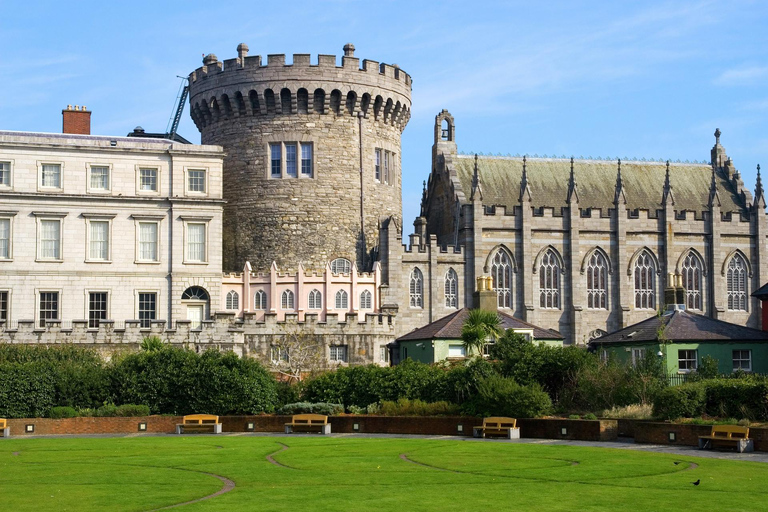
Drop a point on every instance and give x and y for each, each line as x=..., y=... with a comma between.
x=76, y=120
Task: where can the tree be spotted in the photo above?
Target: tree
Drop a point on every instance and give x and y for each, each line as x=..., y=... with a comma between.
x=295, y=354
x=480, y=327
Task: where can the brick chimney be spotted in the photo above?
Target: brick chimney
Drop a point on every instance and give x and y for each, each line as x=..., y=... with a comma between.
x=76, y=120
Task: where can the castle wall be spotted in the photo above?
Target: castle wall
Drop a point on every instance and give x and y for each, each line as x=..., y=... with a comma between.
x=344, y=114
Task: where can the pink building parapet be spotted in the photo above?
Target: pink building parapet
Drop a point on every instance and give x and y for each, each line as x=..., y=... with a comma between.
x=302, y=292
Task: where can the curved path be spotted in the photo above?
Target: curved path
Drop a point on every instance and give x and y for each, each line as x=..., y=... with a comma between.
x=273, y=461
x=228, y=486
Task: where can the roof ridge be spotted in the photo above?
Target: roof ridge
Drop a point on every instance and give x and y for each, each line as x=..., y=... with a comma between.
x=581, y=158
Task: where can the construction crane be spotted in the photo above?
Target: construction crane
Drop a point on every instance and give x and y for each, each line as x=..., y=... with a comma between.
x=181, y=99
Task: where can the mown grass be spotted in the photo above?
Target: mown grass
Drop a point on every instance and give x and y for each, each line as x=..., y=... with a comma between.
x=343, y=473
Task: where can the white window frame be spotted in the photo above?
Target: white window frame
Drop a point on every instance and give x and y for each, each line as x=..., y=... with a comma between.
x=338, y=353
x=383, y=353
x=644, y=296
x=315, y=299
x=279, y=355
x=597, y=281
x=742, y=360
x=341, y=300
x=8, y=292
x=138, y=294
x=288, y=300
x=204, y=221
x=737, y=284
x=502, y=275
x=49, y=188
x=49, y=216
x=687, y=360
x=8, y=216
x=59, y=295
x=550, y=284
x=90, y=218
x=89, y=173
x=138, y=220
x=299, y=173
x=638, y=354
x=311, y=173
x=107, y=315
x=366, y=299
x=451, y=288
x=692, y=271
x=341, y=266
x=416, y=289
x=187, y=181
x=148, y=167
x=232, y=302
x=377, y=161
x=10, y=163
x=257, y=302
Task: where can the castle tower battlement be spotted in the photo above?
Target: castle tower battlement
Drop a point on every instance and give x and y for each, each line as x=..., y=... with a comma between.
x=313, y=154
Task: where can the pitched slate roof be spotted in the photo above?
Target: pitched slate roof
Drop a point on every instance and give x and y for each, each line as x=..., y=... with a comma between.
x=548, y=179
x=682, y=326
x=762, y=292
x=449, y=327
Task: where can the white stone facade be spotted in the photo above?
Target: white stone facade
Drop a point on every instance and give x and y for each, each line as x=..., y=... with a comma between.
x=96, y=228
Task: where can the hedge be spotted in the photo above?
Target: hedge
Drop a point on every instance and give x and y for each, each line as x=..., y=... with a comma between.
x=726, y=398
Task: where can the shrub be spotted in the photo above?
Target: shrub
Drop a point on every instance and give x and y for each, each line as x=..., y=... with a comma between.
x=634, y=411
x=500, y=396
x=132, y=410
x=27, y=389
x=353, y=409
x=590, y=416
x=614, y=384
x=288, y=393
x=406, y=407
x=107, y=410
x=685, y=401
x=574, y=417
x=63, y=412
x=312, y=408
x=151, y=344
x=737, y=398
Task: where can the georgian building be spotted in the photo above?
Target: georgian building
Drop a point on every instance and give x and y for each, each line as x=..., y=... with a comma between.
x=583, y=246
x=98, y=229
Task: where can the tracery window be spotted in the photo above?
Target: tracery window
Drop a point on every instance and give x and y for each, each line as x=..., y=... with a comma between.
x=645, y=281
x=451, y=288
x=736, y=282
x=549, y=281
x=233, y=300
x=286, y=299
x=365, y=300
x=501, y=273
x=260, y=300
x=416, y=289
x=597, y=278
x=342, y=300
x=692, y=270
x=315, y=300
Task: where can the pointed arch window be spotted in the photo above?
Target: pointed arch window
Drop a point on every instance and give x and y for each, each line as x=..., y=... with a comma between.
x=692, y=271
x=233, y=300
x=365, y=300
x=416, y=289
x=501, y=273
x=341, y=266
x=451, y=289
x=286, y=300
x=260, y=300
x=549, y=281
x=645, y=281
x=342, y=299
x=597, y=279
x=315, y=300
x=736, y=282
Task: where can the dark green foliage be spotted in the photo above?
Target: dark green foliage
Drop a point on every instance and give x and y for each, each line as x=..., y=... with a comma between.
x=555, y=369
x=312, y=408
x=613, y=384
x=63, y=412
x=288, y=392
x=479, y=327
x=176, y=381
x=708, y=369
x=27, y=389
x=405, y=407
x=590, y=416
x=737, y=398
x=462, y=379
x=684, y=401
x=502, y=396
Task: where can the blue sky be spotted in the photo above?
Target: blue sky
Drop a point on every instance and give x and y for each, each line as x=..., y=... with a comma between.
x=630, y=78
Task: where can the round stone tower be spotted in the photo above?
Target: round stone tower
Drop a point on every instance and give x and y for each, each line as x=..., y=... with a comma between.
x=312, y=159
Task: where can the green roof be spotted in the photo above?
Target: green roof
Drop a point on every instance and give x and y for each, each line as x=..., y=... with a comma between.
x=596, y=180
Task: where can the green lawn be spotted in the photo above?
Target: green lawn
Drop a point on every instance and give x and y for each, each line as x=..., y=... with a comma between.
x=326, y=473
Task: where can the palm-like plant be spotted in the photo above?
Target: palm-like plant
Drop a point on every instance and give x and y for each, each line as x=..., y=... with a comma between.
x=480, y=326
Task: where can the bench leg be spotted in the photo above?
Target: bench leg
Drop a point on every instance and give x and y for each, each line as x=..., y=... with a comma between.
x=514, y=433
x=746, y=445
x=217, y=428
x=7, y=432
x=178, y=429
x=288, y=429
x=326, y=429
x=477, y=432
x=704, y=444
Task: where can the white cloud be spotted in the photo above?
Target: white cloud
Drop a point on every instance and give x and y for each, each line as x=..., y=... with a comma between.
x=742, y=76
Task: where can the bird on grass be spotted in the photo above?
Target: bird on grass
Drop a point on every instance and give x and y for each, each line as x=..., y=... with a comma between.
x=697, y=482
x=676, y=463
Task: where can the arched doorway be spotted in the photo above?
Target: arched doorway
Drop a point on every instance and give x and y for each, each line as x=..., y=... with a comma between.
x=196, y=300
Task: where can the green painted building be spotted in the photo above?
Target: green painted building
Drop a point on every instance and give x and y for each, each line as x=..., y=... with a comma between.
x=441, y=339
x=682, y=339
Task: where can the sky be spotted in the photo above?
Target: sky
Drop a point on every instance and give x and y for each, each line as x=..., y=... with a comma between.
x=635, y=79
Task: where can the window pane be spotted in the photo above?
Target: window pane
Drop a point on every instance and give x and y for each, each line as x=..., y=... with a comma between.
x=5, y=239
x=50, y=235
x=51, y=175
x=196, y=242
x=275, y=160
x=196, y=181
x=99, y=246
x=147, y=309
x=5, y=174
x=49, y=307
x=97, y=309
x=377, y=171
x=290, y=160
x=148, y=180
x=306, y=159
x=148, y=241
x=100, y=178
x=4, y=306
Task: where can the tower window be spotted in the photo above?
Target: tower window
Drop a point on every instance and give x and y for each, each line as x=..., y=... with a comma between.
x=287, y=159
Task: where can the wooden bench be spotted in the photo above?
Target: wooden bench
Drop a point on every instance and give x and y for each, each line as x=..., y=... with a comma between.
x=728, y=435
x=5, y=430
x=308, y=423
x=498, y=426
x=199, y=423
